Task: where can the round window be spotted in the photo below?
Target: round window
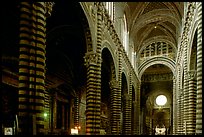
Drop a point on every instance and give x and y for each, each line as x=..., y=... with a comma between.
x=161, y=100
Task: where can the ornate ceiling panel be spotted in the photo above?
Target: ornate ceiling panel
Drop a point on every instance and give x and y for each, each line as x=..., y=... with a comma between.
x=157, y=32
x=170, y=25
x=142, y=17
x=154, y=6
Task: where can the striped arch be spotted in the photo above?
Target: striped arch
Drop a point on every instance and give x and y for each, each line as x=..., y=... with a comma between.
x=126, y=76
x=88, y=28
x=191, y=39
x=109, y=88
x=106, y=44
x=156, y=60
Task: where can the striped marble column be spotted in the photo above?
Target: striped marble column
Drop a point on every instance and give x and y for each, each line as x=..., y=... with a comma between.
x=76, y=111
x=138, y=108
x=181, y=126
x=115, y=106
x=120, y=85
x=199, y=72
x=129, y=107
x=192, y=103
x=174, y=106
x=93, y=93
x=47, y=111
x=134, y=117
x=126, y=116
x=178, y=83
x=179, y=115
x=32, y=66
x=185, y=88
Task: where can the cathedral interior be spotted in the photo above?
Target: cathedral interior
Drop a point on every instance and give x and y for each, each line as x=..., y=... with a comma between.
x=101, y=68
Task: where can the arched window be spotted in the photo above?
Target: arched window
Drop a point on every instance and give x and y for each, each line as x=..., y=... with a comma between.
x=133, y=58
x=110, y=9
x=125, y=35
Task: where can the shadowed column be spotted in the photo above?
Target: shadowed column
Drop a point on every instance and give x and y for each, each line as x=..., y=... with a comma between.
x=32, y=66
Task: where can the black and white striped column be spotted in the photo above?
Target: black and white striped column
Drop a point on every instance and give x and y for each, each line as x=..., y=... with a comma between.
x=181, y=126
x=129, y=107
x=134, y=117
x=93, y=94
x=32, y=66
x=185, y=88
x=120, y=85
x=115, y=107
x=174, y=106
x=199, y=71
x=178, y=83
x=138, y=108
x=192, y=103
x=76, y=111
x=126, y=116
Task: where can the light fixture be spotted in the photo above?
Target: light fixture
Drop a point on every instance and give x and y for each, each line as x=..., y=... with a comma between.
x=45, y=114
x=155, y=25
x=161, y=100
x=77, y=127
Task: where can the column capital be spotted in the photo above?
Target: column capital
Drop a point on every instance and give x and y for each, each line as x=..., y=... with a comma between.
x=114, y=83
x=91, y=58
x=48, y=7
x=191, y=74
x=126, y=96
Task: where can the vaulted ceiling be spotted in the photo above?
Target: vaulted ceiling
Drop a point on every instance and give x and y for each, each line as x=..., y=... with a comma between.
x=148, y=21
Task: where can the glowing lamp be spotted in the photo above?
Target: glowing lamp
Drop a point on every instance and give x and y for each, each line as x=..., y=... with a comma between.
x=161, y=100
x=45, y=114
